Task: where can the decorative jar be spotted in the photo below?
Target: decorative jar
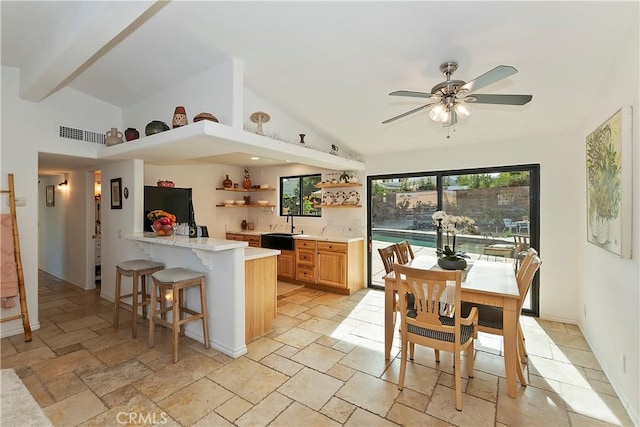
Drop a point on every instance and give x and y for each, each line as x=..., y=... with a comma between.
x=130, y=134
x=179, y=117
x=113, y=137
x=155, y=126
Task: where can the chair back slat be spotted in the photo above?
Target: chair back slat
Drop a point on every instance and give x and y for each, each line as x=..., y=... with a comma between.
x=389, y=257
x=531, y=252
x=405, y=251
x=525, y=280
x=428, y=288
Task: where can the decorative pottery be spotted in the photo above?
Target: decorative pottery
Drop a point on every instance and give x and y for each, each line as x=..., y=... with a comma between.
x=246, y=184
x=227, y=183
x=452, y=264
x=205, y=116
x=155, y=126
x=114, y=136
x=302, y=135
x=179, y=117
x=130, y=134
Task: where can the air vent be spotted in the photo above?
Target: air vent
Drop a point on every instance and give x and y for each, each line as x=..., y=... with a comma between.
x=80, y=135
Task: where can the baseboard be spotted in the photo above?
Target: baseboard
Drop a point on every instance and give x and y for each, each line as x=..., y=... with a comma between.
x=17, y=330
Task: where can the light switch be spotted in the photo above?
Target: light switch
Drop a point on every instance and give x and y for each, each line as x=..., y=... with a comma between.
x=20, y=201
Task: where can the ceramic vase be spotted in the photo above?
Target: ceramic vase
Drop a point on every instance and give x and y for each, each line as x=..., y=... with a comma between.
x=246, y=184
x=179, y=117
x=227, y=183
x=113, y=137
x=130, y=134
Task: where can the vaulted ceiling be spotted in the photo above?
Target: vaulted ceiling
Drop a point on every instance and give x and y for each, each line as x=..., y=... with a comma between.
x=331, y=65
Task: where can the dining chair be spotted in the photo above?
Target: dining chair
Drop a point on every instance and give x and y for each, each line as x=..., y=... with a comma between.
x=390, y=255
x=405, y=251
x=490, y=318
x=522, y=242
x=434, y=320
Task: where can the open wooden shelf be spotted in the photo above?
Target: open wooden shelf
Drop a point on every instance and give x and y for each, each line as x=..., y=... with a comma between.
x=340, y=206
x=246, y=206
x=247, y=190
x=339, y=185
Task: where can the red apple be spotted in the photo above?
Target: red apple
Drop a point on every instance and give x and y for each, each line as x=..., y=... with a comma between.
x=165, y=220
x=167, y=227
x=157, y=224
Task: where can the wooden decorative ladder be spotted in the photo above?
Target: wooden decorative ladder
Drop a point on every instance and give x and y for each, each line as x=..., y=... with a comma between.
x=24, y=313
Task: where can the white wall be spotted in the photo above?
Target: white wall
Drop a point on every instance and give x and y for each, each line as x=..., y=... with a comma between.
x=29, y=128
x=610, y=288
x=209, y=91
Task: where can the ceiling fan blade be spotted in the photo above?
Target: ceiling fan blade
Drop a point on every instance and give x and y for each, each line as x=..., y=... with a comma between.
x=491, y=76
x=411, y=93
x=498, y=99
x=415, y=110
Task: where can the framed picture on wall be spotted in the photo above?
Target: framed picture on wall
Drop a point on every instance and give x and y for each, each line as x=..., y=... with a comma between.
x=50, y=195
x=116, y=193
x=609, y=181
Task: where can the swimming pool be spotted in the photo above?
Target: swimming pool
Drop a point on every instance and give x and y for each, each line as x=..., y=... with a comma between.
x=469, y=244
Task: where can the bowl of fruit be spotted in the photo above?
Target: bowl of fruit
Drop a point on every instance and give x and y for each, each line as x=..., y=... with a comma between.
x=163, y=222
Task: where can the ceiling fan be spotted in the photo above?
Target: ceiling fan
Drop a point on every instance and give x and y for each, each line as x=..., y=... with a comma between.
x=451, y=97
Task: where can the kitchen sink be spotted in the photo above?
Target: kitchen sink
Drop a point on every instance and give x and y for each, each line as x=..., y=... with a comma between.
x=281, y=241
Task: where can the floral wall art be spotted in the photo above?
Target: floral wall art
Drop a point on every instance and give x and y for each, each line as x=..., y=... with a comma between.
x=609, y=164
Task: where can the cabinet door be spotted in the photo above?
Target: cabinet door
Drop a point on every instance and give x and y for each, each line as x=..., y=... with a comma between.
x=286, y=265
x=331, y=269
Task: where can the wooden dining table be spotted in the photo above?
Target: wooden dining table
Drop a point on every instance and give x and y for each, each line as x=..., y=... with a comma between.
x=488, y=283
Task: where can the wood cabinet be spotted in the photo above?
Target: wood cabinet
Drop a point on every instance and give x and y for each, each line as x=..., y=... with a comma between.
x=332, y=264
x=260, y=296
x=305, y=260
x=286, y=265
x=336, y=266
x=252, y=239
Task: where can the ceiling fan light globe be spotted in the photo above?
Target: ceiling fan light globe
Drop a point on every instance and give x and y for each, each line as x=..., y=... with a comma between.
x=438, y=113
x=463, y=110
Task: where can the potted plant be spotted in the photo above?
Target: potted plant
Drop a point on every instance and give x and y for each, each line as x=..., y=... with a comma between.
x=449, y=258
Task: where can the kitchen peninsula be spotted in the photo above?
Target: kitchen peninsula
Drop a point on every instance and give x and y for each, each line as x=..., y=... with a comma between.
x=224, y=263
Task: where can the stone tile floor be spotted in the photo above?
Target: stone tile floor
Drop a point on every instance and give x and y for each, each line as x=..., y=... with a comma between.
x=323, y=365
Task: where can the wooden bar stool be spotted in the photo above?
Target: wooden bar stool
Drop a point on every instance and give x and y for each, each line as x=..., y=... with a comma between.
x=137, y=268
x=171, y=283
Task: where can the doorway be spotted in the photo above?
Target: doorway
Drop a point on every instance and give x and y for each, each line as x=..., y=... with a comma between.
x=502, y=201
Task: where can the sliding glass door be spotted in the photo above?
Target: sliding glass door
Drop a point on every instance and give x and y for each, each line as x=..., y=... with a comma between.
x=502, y=202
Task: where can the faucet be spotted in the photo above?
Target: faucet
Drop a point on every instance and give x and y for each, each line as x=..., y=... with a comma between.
x=292, y=227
